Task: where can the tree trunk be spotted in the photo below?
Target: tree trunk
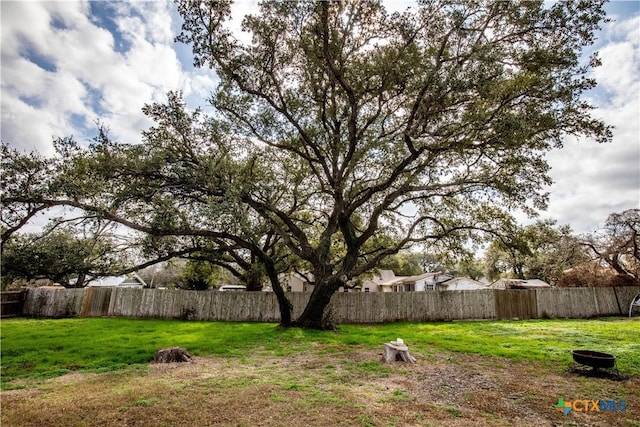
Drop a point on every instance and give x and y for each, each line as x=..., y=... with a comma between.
x=315, y=315
x=612, y=260
x=283, y=302
x=80, y=281
x=254, y=275
x=285, y=310
x=254, y=283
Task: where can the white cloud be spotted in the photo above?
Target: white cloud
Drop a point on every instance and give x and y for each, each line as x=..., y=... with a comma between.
x=90, y=80
x=594, y=180
x=625, y=27
x=618, y=74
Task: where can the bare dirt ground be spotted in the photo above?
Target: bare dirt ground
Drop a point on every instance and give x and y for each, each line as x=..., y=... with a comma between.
x=321, y=389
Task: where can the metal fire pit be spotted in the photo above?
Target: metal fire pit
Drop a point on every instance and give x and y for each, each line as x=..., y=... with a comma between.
x=595, y=359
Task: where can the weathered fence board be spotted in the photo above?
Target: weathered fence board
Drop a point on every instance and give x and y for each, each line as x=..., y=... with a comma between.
x=54, y=302
x=606, y=303
x=298, y=300
x=11, y=303
x=484, y=305
x=96, y=302
x=516, y=304
x=345, y=307
x=624, y=296
x=428, y=307
x=567, y=303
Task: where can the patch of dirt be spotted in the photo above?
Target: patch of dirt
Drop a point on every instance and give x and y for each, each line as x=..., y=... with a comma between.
x=70, y=378
x=513, y=393
x=312, y=389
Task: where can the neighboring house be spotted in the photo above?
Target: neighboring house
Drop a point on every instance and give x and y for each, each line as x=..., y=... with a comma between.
x=132, y=280
x=519, y=284
x=387, y=281
x=438, y=282
x=461, y=284
x=423, y=282
x=383, y=281
x=295, y=282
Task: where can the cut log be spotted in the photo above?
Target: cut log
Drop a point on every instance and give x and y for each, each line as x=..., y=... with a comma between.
x=397, y=352
x=172, y=355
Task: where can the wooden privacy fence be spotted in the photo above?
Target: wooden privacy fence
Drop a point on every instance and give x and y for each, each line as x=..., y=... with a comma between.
x=345, y=307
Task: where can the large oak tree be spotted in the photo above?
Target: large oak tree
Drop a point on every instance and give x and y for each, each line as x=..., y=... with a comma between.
x=348, y=134
x=418, y=125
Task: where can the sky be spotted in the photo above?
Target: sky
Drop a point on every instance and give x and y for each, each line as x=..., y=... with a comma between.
x=66, y=65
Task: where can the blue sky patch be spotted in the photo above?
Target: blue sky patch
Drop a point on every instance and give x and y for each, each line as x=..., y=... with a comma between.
x=58, y=23
x=102, y=14
x=30, y=52
x=34, y=101
x=94, y=98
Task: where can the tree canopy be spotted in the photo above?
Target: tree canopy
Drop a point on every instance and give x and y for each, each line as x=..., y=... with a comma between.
x=343, y=134
x=617, y=244
x=541, y=250
x=62, y=256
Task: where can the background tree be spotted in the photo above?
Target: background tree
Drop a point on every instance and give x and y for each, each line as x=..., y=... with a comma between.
x=468, y=266
x=404, y=263
x=60, y=256
x=199, y=275
x=593, y=274
x=617, y=244
x=507, y=256
x=432, y=262
x=179, y=189
x=164, y=274
x=555, y=249
x=27, y=176
x=538, y=251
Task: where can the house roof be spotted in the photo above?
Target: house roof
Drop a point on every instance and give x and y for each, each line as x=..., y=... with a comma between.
x=383, y=278
x=519, y=283
x=466, y=279
x=54, y=286
x=132, y=280
x=439, y=277
x=303, y=277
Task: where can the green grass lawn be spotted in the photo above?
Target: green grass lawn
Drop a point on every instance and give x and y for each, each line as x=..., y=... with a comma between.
x=46, y=348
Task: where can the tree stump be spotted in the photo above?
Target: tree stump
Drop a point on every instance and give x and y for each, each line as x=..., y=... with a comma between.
x=172, y=355
x=397, y=352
